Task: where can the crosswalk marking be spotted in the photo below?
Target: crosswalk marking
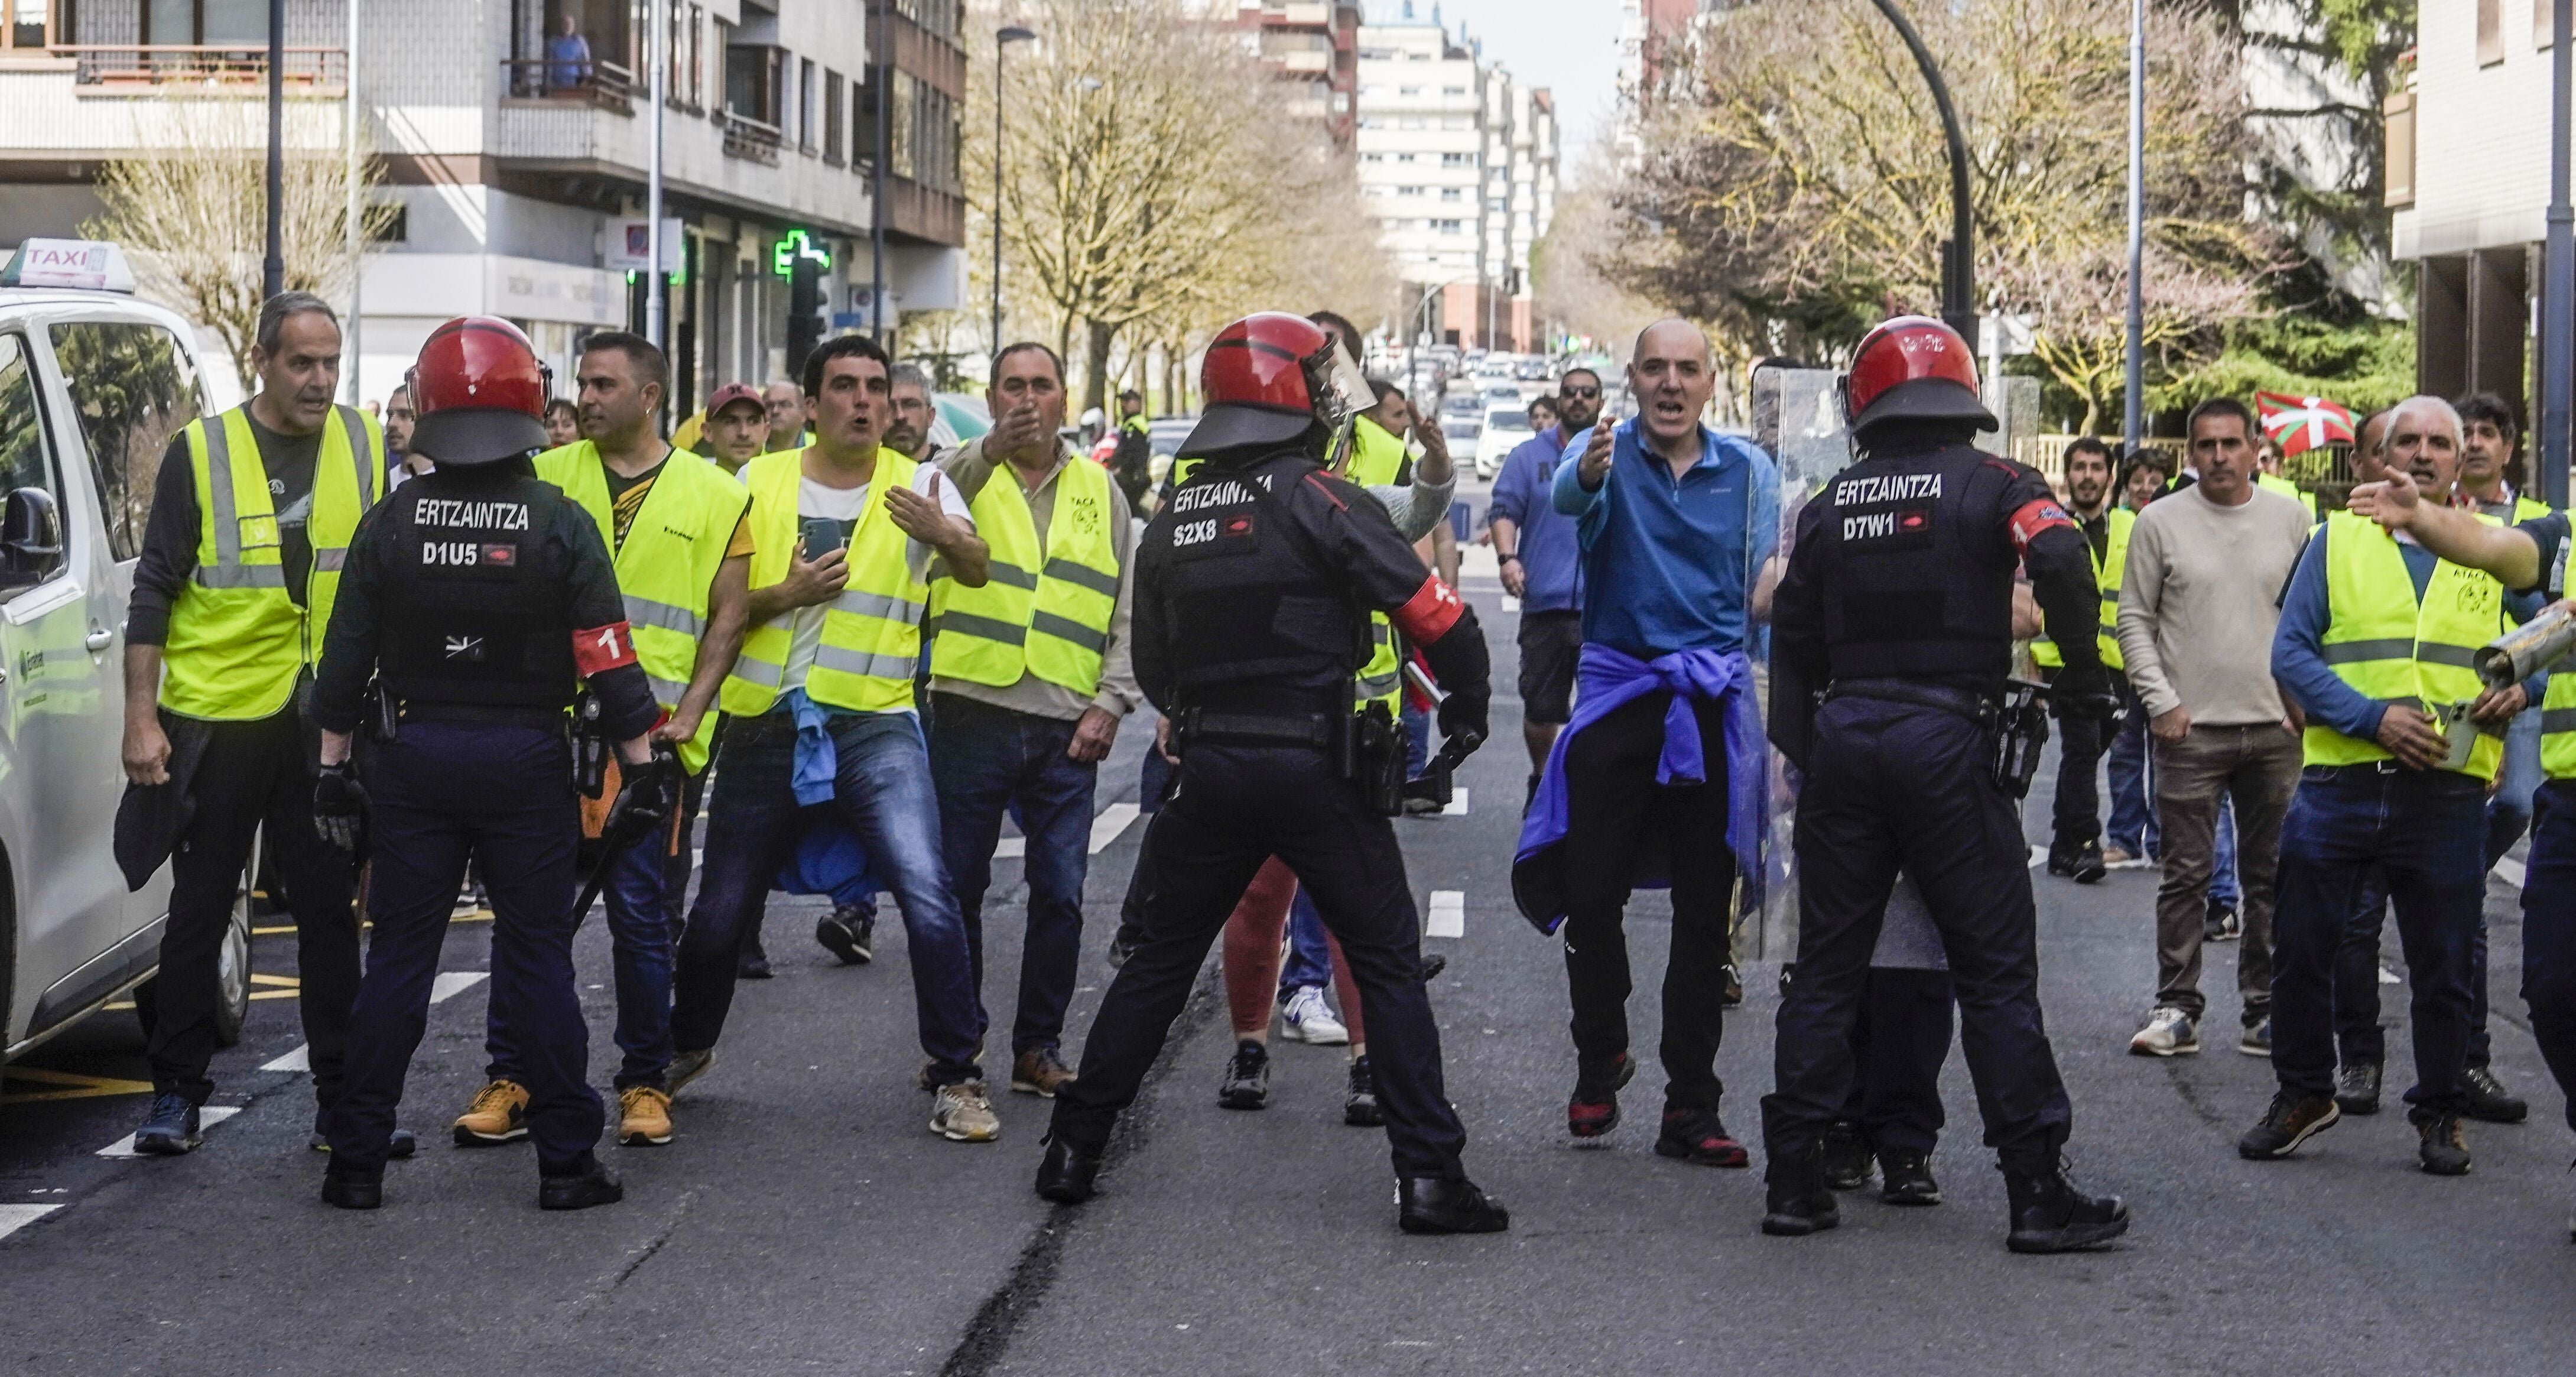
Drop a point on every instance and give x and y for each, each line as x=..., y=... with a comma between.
x=207, y=1117
x=298, y=1060
x=450, y=984
x=2510, y=871
x=16, y=1217
x=1113, y=821
x=1448, y=914
x=1457, y=805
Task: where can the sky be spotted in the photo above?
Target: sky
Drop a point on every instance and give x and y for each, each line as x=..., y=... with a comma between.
x=1568, y=45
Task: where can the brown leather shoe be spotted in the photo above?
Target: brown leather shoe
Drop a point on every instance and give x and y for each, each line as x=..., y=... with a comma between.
x=1038, y=1072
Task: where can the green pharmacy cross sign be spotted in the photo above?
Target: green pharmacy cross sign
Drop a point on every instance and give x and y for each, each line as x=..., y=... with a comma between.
x=798, y=244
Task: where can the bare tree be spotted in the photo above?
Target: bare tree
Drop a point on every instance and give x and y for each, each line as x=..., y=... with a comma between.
x=1797, y=189
x=193, y=214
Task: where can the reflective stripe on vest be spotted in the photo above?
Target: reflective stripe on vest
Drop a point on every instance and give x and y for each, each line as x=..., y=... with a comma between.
x=2558, y=725
x=237, y=640
x=2108, y=569
x=1052, y=623
x=871, y=632
x=674, y=548
x=2385, y=644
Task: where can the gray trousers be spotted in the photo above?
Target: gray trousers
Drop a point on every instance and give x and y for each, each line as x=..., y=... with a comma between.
x=2258, y=767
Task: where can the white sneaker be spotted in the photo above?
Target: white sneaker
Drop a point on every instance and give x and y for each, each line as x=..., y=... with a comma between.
x=1307, y=1018
x=2169, y=1033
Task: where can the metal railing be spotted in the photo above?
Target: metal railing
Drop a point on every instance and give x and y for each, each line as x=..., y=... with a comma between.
x=603, y=84
x=146, y=64
x=757, y=140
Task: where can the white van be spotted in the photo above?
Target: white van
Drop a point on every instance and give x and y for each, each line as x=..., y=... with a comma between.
x=93, y=385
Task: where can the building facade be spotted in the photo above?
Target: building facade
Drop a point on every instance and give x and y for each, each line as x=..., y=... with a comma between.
x=2468, y=180
x=1457, y=162
x=517, y=136
x=1314, y=43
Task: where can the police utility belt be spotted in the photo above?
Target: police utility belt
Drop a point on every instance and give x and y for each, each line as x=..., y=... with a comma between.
x=386, y=712
x=2015, y=721
x=1366, y=746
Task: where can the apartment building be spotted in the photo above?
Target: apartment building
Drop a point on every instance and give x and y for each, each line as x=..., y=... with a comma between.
x=1449, y=144
x=1313, y=43
x=517, y=160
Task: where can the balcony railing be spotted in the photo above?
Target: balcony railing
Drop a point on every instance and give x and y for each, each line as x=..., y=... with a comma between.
x=745, y=137
x=148, y=64
x=603, y=84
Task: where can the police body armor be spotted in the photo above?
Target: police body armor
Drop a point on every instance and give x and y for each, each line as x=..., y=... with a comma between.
x=473, y=602
x=1252, y=603
x=1915, y=612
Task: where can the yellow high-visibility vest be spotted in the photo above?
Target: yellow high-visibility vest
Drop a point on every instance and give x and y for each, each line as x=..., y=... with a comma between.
x=2272, y=482
x=673, y=550
x=237, y=640
x=871, y=632
x=1044, y=612
x=2389, y=646
x=2109, y=567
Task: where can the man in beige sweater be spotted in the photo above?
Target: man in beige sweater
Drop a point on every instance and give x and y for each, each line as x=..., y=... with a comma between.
x=2197, y=613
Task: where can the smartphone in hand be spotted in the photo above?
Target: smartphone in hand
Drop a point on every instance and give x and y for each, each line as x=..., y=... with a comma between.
x=822, y=536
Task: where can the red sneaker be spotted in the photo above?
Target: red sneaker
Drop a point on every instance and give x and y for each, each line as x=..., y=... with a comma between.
x=1698, y=1135
x=1594, y=1109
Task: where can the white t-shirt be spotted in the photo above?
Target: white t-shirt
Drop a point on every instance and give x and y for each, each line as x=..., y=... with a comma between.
x=821, y=501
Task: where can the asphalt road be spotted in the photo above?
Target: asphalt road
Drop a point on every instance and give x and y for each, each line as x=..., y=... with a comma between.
x=805, y=1221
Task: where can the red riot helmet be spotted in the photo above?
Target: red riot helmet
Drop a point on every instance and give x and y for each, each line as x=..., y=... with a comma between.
x=1269, y=378
x=480, y=394
x=1913, y=368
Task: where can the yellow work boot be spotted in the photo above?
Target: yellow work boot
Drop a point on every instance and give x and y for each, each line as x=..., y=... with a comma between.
x=643, y=1116
x=498, y=1114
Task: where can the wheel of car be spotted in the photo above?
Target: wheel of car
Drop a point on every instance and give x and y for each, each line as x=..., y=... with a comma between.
x=232, y=971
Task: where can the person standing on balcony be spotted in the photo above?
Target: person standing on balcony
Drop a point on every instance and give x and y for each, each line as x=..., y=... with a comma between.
x=567, y=57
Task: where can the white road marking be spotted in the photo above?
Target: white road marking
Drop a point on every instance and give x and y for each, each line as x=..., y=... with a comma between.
x=16, y=1217
x=298, y=1060
x=1457, y=806
x=450, y=984
x=2510, y=871
x=2038, y=858
x=207, y=1118
x=1448, y=914
x=1113, y=821
x=1510, y=603
x=2389, y=977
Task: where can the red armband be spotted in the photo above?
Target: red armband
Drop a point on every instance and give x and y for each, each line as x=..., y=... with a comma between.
x=1429, y=613
x=598, y=649
x=2035, y=517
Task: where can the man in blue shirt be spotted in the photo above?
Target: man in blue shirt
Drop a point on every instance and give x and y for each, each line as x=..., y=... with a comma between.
x=1542, y=567
x=1673, y=522
x=567, y=57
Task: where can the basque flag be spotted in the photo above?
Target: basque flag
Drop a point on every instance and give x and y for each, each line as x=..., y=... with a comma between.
x=2300, y=424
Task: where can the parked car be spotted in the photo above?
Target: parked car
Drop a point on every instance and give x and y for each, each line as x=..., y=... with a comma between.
x=93, y=385
x=1468, y=404
x=1505, y=428
x=1462, y=434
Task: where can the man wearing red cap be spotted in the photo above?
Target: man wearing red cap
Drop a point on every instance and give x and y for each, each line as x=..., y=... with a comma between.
x=737, y=427
x=1892, y=642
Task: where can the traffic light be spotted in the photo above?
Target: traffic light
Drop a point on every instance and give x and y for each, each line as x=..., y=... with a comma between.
x=802, y=261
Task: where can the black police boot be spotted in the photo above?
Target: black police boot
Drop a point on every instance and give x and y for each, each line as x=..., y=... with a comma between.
x=2488, y=1100
x=1845, y=1159
x=351, y=1190
x=1359, y=1106
x=1909, y=1178
x=580, y=1190
x=1067, y=1173
x=1439, y=1205
x=2049, y=1215
x=1799, y=1200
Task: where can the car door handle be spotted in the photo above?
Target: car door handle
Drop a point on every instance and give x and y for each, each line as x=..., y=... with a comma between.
x=98, y=639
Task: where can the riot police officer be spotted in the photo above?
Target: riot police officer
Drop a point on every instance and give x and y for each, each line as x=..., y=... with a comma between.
x=1253, y=589
x=1897, y=604
x=475, y=600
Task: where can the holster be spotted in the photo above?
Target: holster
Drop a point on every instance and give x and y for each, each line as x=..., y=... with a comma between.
x=1380, y=760
x=2019, y=734
x=591, y=748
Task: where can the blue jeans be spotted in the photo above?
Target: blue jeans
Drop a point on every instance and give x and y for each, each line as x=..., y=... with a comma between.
x=1310, y=958
x=2509, y=807
x=639, y=943
x=986, y=761
x=2222, y=873
x=1417, y=740
x=2418, y=832
x=883, y=790
x=2133, y=815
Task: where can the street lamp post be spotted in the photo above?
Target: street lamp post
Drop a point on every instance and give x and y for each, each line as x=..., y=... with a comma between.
x=1959, y=269
x=1415, y=323
x=357, y=226
x=272, y=266
x=880, y=77
x=2558, y=272
x=1002, y=38
x=2134, y=382
x=654, y=282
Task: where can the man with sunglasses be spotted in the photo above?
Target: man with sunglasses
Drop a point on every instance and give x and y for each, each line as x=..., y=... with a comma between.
x=1542, y=566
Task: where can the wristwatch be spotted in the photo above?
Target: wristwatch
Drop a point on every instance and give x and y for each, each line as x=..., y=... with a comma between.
x=1508, y=559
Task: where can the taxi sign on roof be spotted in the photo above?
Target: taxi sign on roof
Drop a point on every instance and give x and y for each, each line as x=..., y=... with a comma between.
x=83, y=263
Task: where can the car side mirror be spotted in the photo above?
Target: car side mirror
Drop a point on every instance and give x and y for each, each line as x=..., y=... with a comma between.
x=31, y=537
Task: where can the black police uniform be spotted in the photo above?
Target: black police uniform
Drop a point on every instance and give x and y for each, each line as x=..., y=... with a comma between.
x=1252, y=589
x=476, y=596
x=1898, y=597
